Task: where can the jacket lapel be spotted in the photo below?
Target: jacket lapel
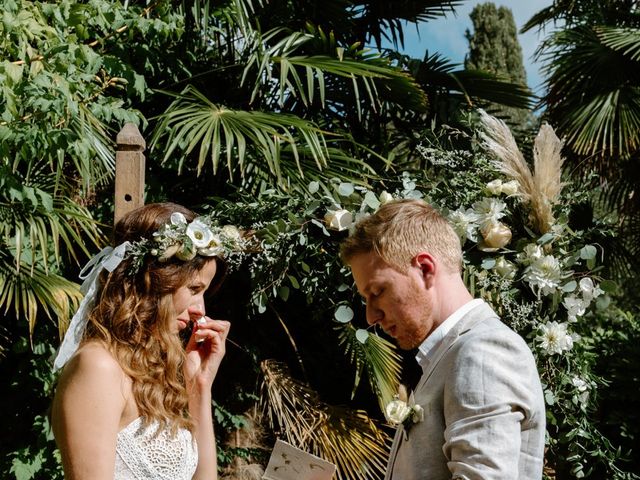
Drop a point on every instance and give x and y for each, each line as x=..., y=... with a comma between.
x=466, y=323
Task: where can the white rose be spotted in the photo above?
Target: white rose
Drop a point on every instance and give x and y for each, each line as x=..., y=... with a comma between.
x=494, y=187
x=510, y=188
x=385, y=197
x=397, y=411
x=496, y=235
x=199, y=233
x=231, y=232
x=505, y=268
x=338, y=220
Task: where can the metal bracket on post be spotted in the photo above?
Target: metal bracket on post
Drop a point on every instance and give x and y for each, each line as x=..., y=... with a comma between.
x=130, y=164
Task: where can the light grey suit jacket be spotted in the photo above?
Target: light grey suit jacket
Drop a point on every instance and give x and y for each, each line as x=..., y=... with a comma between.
x=484, y=414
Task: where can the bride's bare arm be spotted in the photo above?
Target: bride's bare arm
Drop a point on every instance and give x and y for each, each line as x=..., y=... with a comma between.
x=86, y=414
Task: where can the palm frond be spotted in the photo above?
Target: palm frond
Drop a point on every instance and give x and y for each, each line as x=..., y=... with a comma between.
x=345, y=437
x=590, y=95
x=625, y=40
x=26, y=290
x=193, y=121
x=380, y=360
x=301, y=75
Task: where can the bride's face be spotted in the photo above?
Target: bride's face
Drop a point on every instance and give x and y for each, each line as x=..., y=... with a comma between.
x=188, y=300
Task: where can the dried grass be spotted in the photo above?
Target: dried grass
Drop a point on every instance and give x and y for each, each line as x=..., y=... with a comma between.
x=539, y=189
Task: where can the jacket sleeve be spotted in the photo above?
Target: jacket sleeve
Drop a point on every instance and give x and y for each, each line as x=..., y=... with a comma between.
x=491, y=397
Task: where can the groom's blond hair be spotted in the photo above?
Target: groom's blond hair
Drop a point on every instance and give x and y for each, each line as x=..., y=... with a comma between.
x=400, y=230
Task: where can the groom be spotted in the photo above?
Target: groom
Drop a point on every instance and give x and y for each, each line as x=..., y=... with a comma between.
x=480, y=391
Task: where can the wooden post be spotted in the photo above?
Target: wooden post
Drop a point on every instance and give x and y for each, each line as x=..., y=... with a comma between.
x=130, y=163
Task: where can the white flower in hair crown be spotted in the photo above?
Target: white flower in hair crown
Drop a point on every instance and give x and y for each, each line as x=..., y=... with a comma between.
x=185, y=240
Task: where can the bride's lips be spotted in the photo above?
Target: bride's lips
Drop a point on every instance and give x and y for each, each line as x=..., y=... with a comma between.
x=182, y=324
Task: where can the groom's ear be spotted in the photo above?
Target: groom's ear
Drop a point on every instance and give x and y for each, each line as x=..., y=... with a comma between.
x=427, y=265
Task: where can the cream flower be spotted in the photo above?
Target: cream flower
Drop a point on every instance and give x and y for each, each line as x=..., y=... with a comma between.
x=213, y=248
x=589, y=289
x=465, y=224
x=496, y=235
x=231, y=232
x=397, y=411
x=489, y=210
x=510, y=188
x=545, y=274
x=338, y=219
x=199, y=233
x=575, y=307
x=555, y=338
x=169, y=252
x=385, y=197
x=505, y=268
x=582, y=387
x=494, y=187
x=186, y=252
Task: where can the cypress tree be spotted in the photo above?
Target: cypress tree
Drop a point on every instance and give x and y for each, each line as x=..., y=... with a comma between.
x=494, y=47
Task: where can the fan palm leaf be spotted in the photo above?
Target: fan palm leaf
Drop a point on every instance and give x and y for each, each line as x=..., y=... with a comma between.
x=589, y=94
x=378, y=357
x=193, y=120
x=26, y=289
x=282, y=66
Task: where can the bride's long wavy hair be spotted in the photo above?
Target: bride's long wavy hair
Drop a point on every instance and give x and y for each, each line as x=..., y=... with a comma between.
x=134, y=318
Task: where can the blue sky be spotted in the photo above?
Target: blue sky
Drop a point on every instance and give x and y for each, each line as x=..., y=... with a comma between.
x=446, y=35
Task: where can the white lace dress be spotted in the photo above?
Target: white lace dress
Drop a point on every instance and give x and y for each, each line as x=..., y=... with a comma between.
x=144, y=454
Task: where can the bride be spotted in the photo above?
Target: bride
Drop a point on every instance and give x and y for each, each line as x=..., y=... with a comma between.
x=132, y=402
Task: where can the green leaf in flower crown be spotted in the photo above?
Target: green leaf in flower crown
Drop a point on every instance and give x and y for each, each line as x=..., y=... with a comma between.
x=588, y=252
x=343, y=314
x=569, y=286
x=362, y=335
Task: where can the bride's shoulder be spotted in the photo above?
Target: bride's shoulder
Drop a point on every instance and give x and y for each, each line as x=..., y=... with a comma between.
x=94, y=359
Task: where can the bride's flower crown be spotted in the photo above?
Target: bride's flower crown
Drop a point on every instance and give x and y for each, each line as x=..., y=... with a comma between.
x=185, y=240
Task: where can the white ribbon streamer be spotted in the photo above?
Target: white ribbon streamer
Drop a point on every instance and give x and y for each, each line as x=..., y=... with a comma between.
x=108, y=258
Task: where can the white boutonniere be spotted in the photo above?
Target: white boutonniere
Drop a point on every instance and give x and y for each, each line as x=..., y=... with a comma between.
x=400, y=411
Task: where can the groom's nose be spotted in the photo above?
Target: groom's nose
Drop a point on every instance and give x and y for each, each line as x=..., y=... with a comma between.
x=374, y=315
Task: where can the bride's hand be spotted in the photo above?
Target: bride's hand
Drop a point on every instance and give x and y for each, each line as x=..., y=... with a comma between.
x=205, y=350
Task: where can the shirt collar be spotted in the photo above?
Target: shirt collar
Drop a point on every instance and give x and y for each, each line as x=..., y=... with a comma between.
x=428, y=346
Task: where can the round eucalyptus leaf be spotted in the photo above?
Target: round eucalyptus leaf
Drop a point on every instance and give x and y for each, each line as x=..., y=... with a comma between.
x=343, y=314
x=345, y=189
x=362, y=335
